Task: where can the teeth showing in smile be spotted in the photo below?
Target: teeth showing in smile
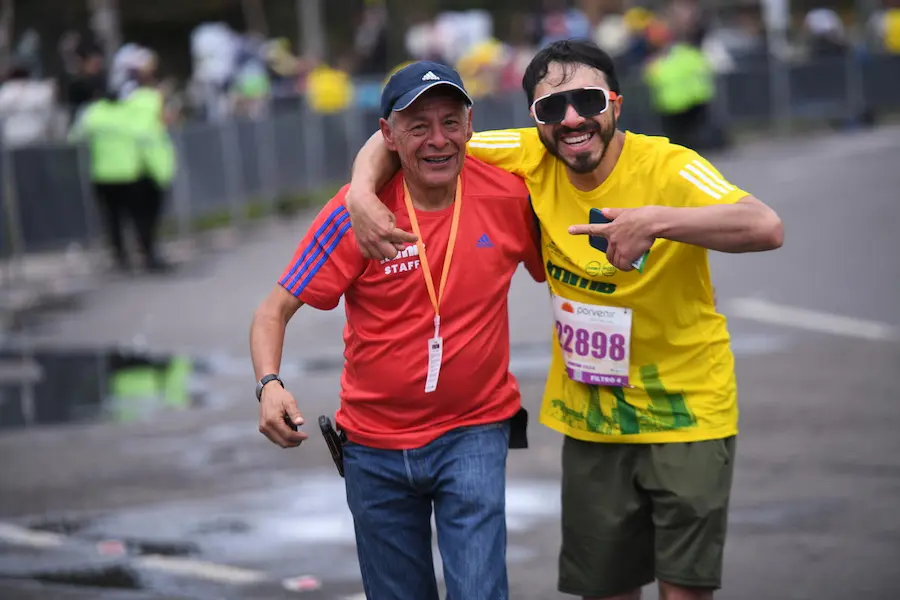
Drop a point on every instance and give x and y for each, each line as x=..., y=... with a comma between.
x=577, y=139
x=437, y=161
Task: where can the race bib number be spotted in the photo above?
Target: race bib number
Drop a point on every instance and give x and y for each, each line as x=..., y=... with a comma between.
x=595, y=341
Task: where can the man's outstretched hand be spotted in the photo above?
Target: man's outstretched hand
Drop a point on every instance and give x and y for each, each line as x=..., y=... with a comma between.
x=375, y=227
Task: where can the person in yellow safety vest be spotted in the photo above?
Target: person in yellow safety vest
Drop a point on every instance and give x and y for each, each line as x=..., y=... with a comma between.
x=329, y=89
x=113, y=142
x=146, y=107
x=682, y=88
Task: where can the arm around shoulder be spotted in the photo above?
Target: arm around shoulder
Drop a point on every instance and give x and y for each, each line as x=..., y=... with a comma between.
x=374, y=225
x=518, y=151
x=373, y=166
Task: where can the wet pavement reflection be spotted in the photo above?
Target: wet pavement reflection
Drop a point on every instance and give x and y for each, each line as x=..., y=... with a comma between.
x=52, y=387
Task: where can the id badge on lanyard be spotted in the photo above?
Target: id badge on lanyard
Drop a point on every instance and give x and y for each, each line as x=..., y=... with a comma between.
x=435, y=356
x=436, y=343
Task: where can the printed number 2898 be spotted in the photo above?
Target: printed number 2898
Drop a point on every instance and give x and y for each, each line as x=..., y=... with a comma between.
x=582, y=342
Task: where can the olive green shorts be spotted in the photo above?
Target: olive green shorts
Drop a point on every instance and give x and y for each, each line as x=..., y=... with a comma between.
x=632, y=513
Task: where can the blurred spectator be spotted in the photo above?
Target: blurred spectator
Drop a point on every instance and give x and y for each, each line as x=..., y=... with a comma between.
x=329, y=89
x=284, y=67
x=613, y=35
x=145, y=107
x=371, y=40
x=561, y=22
x=826, y=38
x=741, y=36
x=250, y=87
x=286, y=72
x=68, y=47
x=129, y=64
x=112, y=136
x=885, y=28
x=89, y=79
x=421, y=41
x=520, y=50
x=450, y=36
x=457, y=32
x=214, y=49
x=28, y=53
x=682, y=88
x=639, y=23
x=825, y=33
x=28, y=110
x=891, y=29
x=482, y=66
x=689, y=20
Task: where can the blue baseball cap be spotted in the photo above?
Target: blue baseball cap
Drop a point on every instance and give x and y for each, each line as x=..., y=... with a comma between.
x=410, y=82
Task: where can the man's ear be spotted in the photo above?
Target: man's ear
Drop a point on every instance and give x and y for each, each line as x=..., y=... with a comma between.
x=388, y=134
x=469, y=125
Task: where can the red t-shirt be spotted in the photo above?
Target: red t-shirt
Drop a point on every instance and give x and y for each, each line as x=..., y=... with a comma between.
x=390, y=317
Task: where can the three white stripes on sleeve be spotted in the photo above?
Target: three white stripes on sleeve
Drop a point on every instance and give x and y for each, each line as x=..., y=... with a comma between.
x=705, y=179
x=496, y=139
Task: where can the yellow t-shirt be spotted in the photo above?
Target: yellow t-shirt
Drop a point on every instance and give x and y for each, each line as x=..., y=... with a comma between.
x=681, y=368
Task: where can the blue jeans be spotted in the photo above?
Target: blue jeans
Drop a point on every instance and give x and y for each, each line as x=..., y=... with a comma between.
x=391, y=493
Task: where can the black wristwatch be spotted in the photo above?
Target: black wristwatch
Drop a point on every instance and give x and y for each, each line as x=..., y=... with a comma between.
x=263, y=382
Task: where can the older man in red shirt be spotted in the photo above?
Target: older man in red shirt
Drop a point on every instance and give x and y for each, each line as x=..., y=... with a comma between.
x=426, y=392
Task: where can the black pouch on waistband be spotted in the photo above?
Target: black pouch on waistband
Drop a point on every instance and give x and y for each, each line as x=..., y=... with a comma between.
x=335, y=442
x=518, y=430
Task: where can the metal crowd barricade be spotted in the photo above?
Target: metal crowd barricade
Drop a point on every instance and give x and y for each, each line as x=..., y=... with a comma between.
x=46, y=205
x=234, y=170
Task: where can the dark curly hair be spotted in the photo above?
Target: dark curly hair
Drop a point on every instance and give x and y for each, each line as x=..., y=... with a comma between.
x=570, y=54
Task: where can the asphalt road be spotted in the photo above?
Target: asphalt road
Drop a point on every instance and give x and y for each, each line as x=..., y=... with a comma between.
x=815, y=328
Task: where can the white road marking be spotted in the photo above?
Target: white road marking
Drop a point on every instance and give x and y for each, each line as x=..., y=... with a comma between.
x=811, y=320
x=20, y=536
x=200, y=569
x=356, y=597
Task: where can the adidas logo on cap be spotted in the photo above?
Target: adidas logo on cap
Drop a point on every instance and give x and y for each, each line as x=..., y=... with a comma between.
x=430, y=76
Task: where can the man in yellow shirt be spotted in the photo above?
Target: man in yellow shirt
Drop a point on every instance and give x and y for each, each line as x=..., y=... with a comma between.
x=642, y=379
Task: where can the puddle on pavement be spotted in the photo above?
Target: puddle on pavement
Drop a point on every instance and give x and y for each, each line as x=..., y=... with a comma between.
x=62, y=525
x=111, y=576
x=47, y=387
x=83, y=528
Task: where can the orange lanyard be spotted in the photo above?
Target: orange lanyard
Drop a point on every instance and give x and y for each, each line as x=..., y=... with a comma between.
x=451, y=243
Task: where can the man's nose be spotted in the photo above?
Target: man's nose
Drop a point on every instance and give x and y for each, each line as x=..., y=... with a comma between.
x=437, y=139
x=572, y=119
